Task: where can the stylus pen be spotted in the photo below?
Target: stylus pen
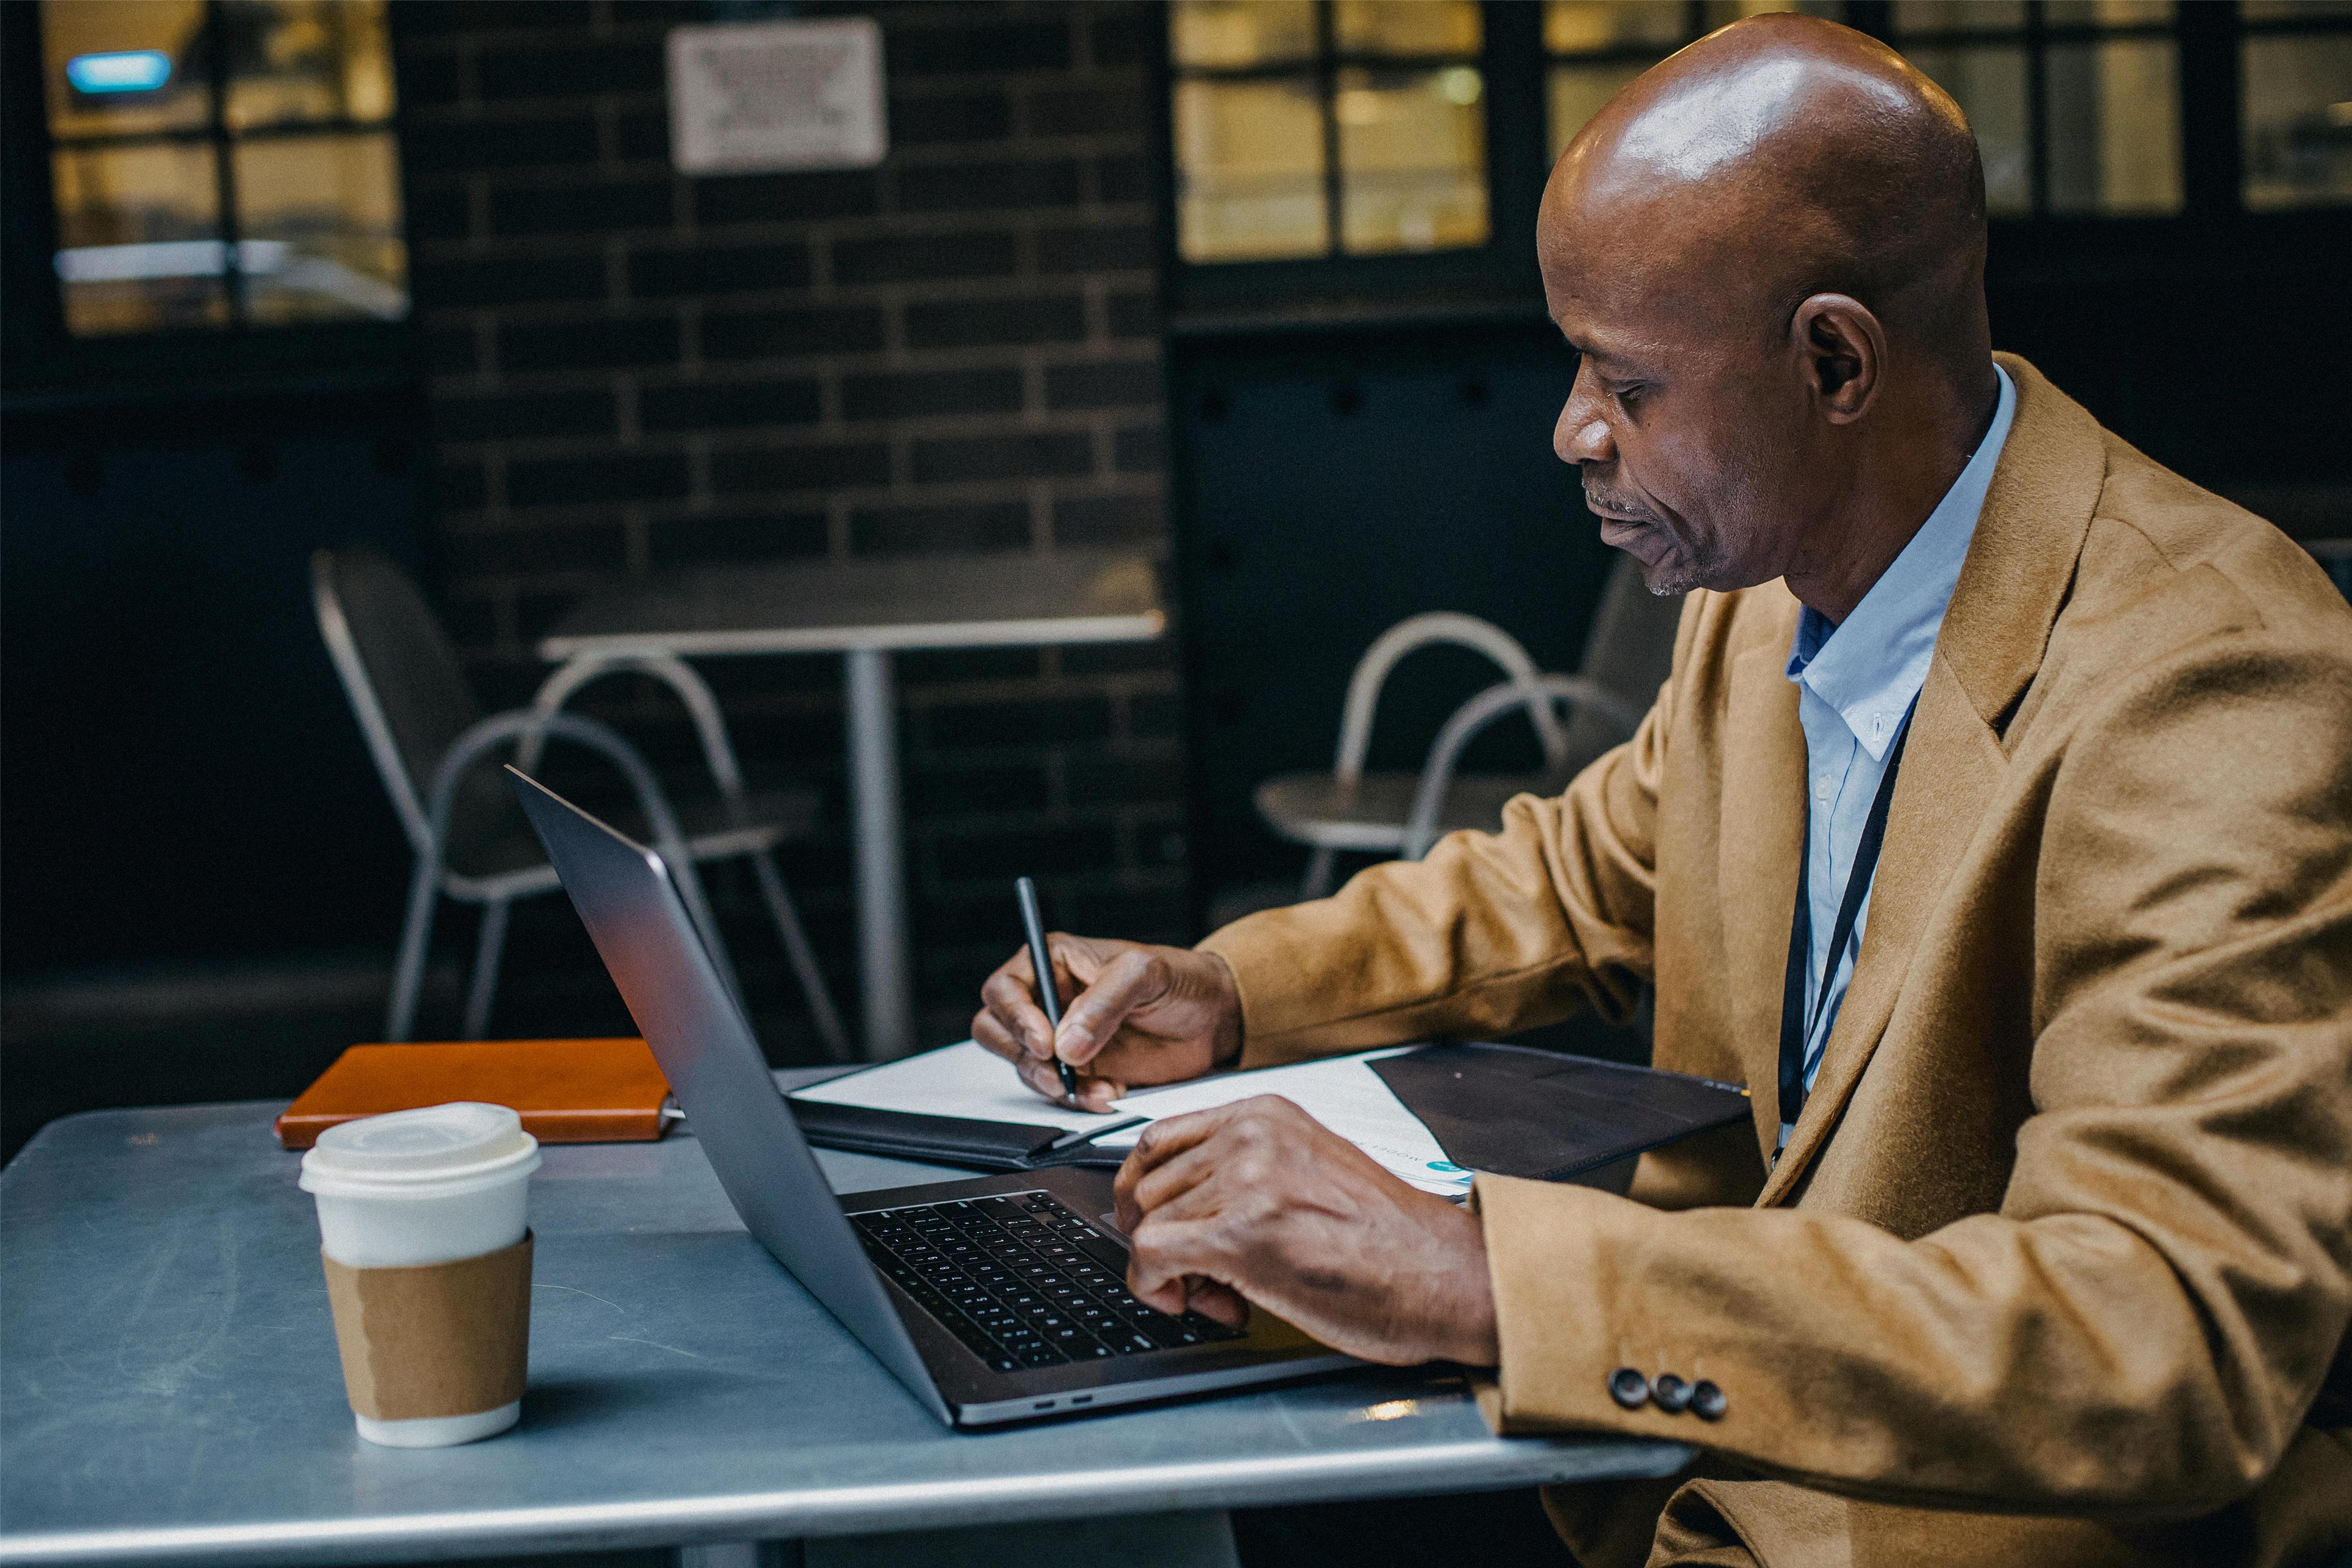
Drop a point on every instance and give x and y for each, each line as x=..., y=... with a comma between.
x=1042, y=963
x=1089, y=1134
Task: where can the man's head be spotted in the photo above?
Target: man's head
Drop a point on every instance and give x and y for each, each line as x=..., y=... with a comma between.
x=1770, y=251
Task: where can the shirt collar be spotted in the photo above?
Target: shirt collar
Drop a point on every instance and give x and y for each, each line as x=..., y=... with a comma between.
x=1869, y=666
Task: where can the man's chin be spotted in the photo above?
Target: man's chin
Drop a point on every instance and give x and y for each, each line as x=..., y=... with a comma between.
x=1663, y=570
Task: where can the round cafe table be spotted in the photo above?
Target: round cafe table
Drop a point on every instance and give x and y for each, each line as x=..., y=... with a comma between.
x=865, y=611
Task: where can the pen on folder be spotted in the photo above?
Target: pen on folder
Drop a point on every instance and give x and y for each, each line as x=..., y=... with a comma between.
x=1042, y=963
x=1087, y=1134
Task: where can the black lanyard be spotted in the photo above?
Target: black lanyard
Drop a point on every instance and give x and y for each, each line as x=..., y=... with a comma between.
x=1798, y=1023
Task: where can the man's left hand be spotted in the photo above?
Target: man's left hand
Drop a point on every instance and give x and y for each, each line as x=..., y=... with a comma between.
x=1257, y=1202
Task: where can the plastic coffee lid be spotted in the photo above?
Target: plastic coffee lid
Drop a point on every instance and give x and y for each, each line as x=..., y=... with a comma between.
x=436, y=1145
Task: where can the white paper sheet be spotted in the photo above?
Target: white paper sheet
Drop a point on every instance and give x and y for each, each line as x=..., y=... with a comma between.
x=1343, y=1093
x=965, y=1080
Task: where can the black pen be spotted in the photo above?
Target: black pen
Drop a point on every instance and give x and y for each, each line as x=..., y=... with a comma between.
x=1089, y=1134
x=1042, y=963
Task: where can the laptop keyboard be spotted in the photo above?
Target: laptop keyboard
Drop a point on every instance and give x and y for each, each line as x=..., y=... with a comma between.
x=1022, y=1281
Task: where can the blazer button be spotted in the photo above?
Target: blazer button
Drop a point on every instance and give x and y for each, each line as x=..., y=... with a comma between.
x=1671, y=1392
x=1628, y=1388
x=1706, y=1401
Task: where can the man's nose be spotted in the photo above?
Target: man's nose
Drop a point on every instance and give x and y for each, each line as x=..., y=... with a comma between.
x=1582, y=435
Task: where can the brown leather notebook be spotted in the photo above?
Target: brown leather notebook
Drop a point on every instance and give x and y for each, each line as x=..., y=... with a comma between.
x=569, y=1091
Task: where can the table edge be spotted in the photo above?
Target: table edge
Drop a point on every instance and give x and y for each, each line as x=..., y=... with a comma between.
x=1428, y=1468
x=1039, y=632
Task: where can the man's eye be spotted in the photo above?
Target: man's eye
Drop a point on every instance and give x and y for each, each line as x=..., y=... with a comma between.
x=1626, y=395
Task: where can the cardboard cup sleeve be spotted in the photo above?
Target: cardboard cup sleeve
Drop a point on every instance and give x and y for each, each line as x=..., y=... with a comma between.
x=435, y=1340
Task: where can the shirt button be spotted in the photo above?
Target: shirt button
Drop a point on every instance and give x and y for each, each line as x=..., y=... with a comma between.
x=1671, y=1392
x=1706, y=1401
x=1628, y=1388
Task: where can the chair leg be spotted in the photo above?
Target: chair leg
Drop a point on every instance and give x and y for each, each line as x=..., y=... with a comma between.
x=796, y=948
x=408, y=972
x=1319, y=875
x=488, y=948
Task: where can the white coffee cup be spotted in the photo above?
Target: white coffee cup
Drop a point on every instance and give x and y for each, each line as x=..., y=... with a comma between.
x=441, y=1184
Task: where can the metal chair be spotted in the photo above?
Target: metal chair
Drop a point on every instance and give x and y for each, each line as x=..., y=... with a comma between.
x=1627, y=656
x=429, y=740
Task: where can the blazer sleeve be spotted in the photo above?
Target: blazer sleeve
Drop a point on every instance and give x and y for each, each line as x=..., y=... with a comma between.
x=1491, y=933
x=2141, y=1327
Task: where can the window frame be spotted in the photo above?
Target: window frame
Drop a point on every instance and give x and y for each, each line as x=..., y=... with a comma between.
x=1510, y=49
x=2212, y=229
x=46, y=365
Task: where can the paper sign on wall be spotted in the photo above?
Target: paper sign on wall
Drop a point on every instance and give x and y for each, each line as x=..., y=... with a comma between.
x=751, y=97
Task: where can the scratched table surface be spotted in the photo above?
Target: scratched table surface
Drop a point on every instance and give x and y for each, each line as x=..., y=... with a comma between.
x=169, y=1388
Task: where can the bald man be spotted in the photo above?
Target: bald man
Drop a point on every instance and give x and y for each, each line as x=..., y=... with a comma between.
x=1995, y=825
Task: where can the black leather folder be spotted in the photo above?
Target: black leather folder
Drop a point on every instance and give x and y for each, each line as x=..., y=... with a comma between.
x=1549, y=1116
x=944, y=1139
x=1511, y=1109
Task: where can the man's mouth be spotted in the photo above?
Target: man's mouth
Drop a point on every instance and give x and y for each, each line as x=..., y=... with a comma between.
x=1608, y=513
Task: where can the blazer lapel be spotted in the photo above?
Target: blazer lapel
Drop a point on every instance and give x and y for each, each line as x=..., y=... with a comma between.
x=2011, y=587
x=1760, y=844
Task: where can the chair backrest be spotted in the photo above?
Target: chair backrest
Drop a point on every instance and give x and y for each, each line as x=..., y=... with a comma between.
x=398, y=669
x=1422, y=631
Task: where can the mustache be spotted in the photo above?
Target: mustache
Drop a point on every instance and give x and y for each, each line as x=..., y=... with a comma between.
x=1609, y=505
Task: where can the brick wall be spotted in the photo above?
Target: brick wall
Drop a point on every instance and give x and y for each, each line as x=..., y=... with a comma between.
x=632, y=369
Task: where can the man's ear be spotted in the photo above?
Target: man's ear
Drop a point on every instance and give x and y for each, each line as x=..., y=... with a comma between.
x=1844, y=352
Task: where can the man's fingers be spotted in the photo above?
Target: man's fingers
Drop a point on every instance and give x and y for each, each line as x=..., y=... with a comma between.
x=1134, y=979
x=1160, y=1184
x=1013, y=1004
x=1161, y=1252
x=1218, y=1300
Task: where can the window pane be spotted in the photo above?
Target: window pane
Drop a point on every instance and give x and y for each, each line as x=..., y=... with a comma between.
x=1249, y=170
x=1412, y=160
x=1988, y=83
x=2282, y=10
x=293, y=60
x=319, y=221
x=1958, y=17
x=1407, y=26
x=2113, y=126
x=119, y=67
x=1240, y=32
x=1582, y=27
x=2106, y=13
x=138, y=239
x=2298, y=119
x=1723, y=12
x=1578, y=92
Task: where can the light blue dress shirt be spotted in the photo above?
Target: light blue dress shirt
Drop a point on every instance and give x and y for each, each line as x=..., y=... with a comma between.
x=1854, y=682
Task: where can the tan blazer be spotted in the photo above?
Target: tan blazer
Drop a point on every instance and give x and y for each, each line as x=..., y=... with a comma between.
x=2057, y=1266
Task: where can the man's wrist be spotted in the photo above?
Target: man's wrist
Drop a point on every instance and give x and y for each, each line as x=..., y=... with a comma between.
x=1226, y=1048
x=1473, y=1337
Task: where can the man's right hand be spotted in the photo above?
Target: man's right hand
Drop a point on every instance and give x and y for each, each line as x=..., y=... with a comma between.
x=1132, y=1015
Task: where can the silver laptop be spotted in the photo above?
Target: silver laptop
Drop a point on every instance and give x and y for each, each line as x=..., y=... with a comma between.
x=992, y=1298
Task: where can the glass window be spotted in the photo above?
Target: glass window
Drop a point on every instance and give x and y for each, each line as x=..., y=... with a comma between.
x=1343, y=127
x=2115, y=126
x=1252, y=156
x=223, y=163
x=2075, y=104
x=1413, y=158
x=2296, y=136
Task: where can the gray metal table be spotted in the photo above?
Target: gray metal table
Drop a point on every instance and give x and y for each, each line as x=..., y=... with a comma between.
x=168, y=1390
x=865, y=610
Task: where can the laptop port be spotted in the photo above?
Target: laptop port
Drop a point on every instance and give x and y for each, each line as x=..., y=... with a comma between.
x=1043, y=1404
